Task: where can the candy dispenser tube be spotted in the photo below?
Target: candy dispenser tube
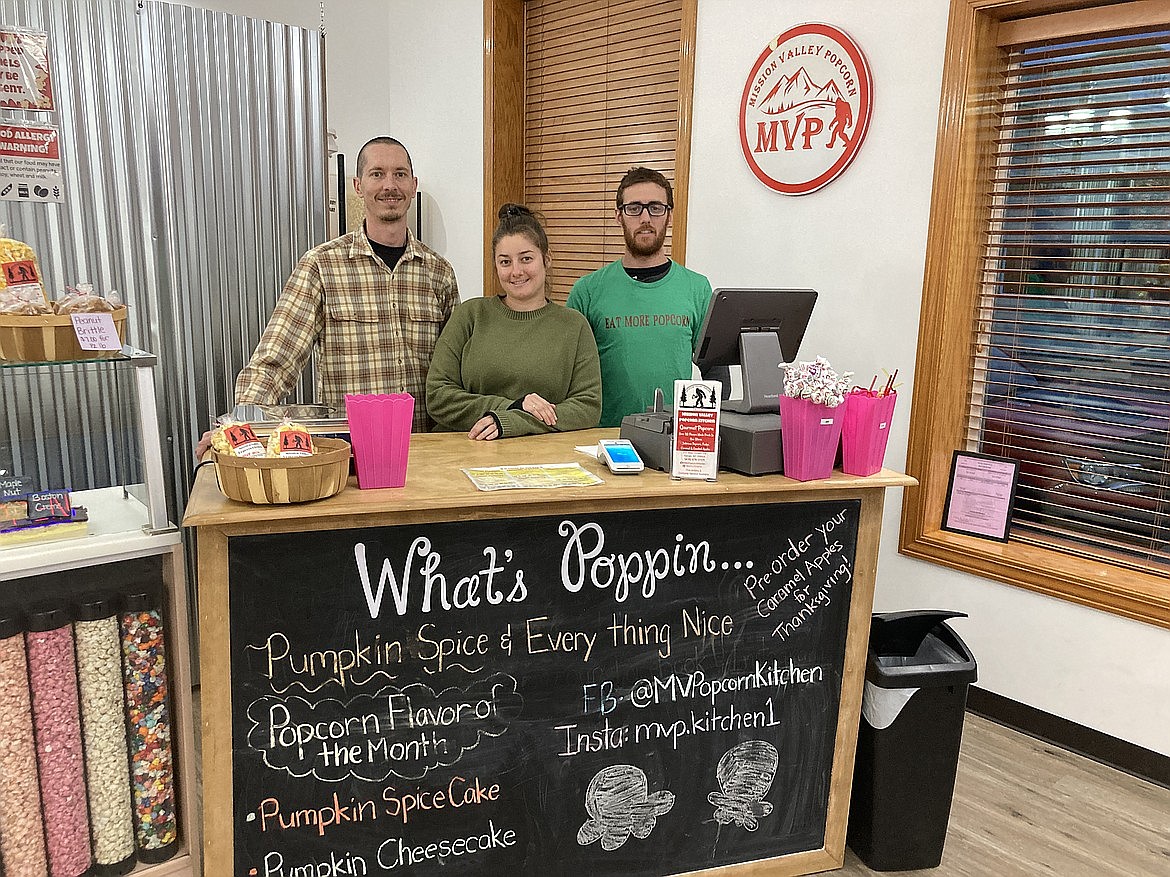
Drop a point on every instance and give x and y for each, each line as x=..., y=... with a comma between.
x=149, y=727
x=99, y=670
x=22, y=832
x=57, y=729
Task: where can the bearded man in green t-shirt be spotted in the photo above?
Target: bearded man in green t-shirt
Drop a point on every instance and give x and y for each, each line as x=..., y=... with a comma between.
x=646, y=310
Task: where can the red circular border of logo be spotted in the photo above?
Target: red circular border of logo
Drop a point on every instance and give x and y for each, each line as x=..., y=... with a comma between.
x=865, y=85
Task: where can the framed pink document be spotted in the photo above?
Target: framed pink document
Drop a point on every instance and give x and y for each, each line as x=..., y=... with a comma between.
x=981, y=495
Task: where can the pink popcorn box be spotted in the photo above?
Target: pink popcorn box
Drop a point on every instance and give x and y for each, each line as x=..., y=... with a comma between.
x=865, y=431
x=809, y=433
x=379, y=430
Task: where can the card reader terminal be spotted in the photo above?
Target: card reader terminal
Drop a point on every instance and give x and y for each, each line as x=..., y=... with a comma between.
x=619, y=456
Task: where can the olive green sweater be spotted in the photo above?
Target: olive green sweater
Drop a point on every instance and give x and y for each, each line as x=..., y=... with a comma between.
x=490, y=357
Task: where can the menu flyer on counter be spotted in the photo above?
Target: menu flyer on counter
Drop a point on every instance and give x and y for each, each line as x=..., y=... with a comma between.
x=544, y=475
x=696, y=430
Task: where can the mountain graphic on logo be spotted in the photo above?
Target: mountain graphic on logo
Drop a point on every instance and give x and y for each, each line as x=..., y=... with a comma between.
x=796, y=90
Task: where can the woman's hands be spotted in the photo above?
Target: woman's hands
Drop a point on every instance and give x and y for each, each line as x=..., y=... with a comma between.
x=485, y=429
x=540, y=408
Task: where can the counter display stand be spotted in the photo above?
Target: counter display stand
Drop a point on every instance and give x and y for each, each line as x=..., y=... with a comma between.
x=640, y=677
x=128, y=532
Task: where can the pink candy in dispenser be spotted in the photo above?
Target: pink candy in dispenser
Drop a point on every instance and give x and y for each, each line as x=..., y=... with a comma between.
x=57, y=727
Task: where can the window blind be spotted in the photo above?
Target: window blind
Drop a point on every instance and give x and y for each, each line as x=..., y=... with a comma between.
x=1072, y=368
x=601, y=96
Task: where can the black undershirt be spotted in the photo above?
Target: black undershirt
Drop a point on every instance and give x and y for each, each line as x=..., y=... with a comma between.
x=648, y=275
x=389, y=255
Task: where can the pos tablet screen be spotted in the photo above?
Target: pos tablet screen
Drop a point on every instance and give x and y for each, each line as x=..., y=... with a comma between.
x=758, y=330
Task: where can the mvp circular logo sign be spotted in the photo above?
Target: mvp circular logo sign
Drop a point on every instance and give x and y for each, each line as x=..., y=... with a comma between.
x=805, y=109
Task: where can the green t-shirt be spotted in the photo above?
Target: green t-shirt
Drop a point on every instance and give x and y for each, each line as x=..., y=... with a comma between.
x=646, y=332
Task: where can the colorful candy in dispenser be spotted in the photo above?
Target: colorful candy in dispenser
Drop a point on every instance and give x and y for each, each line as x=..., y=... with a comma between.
x=99, y=674
x=57, y=729
x=148, y=719
x=22, y=835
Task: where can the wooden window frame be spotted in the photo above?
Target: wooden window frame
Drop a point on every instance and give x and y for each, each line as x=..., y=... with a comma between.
x=951, y=288
x=503, y=120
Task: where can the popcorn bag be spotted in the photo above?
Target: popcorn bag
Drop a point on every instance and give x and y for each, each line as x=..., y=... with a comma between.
x=21, y=289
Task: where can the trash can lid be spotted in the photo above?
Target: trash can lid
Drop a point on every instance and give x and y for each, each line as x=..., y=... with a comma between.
x=917, y=649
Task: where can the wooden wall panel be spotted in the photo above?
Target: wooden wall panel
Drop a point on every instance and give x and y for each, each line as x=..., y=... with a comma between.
x=600, y=87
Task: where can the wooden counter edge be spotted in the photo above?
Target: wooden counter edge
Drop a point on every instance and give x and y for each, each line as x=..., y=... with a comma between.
x=435, y=483
x=208, y=507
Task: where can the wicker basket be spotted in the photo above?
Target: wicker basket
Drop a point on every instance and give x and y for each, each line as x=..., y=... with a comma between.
x=49, y=338
x=267, y=480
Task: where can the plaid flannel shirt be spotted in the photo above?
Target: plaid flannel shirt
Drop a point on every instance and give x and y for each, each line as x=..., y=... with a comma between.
x=373, y=329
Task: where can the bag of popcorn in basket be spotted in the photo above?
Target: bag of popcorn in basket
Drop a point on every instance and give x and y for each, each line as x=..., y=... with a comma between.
x=21, y=289
x=82, y=299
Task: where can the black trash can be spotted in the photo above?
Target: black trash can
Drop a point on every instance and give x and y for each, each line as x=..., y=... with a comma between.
x=916, y=679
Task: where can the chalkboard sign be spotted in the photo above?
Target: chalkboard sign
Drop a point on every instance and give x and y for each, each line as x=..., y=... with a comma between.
x=625, y=693
x=14, y=486
x=49, y=504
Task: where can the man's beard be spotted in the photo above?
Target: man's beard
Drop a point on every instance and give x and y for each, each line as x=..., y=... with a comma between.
x=638, y=247
x=385, y=211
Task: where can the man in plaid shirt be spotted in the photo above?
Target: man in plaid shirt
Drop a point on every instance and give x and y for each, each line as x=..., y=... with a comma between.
x=370, y=303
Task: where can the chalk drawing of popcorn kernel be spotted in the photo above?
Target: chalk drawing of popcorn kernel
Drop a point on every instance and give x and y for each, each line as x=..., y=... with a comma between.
x=745, y=775
x=619, y=802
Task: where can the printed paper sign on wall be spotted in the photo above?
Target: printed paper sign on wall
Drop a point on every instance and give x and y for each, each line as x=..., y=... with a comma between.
x=805, y=109
x=25, y=83
x=30, y=163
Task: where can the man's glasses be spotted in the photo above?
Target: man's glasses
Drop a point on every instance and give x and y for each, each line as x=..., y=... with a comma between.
x=635, y=208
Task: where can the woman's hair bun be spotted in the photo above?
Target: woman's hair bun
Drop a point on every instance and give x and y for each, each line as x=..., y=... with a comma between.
x=509, y=211
x=518, y=219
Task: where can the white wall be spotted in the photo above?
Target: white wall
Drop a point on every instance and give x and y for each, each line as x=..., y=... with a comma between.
x=861, y=242
x=436, y=107
x=415, y=69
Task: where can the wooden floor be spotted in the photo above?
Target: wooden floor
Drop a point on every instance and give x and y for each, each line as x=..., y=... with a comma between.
x=1023, y=808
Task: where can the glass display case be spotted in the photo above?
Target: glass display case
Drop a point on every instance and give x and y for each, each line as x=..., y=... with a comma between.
x=88, y=428
x=85, y=518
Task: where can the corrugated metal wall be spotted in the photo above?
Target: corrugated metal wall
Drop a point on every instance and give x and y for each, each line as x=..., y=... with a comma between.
x=193, y=152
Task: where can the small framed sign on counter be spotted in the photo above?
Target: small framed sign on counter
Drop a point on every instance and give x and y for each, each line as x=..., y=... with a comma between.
x=981, y=494
x=695, y=452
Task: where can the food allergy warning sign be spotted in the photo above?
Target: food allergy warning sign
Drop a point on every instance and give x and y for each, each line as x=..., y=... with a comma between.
x=25, y=83
x=30, y=163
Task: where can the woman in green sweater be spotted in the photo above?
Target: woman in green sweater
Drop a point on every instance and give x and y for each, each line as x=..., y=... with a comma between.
x=515, y=363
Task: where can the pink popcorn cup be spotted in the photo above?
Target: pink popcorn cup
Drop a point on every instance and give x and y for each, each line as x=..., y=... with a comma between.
x=379, y=430
x=809, y=433
x=865, y=431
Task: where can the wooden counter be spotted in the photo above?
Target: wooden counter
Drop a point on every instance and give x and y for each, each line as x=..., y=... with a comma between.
x=313, y=577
